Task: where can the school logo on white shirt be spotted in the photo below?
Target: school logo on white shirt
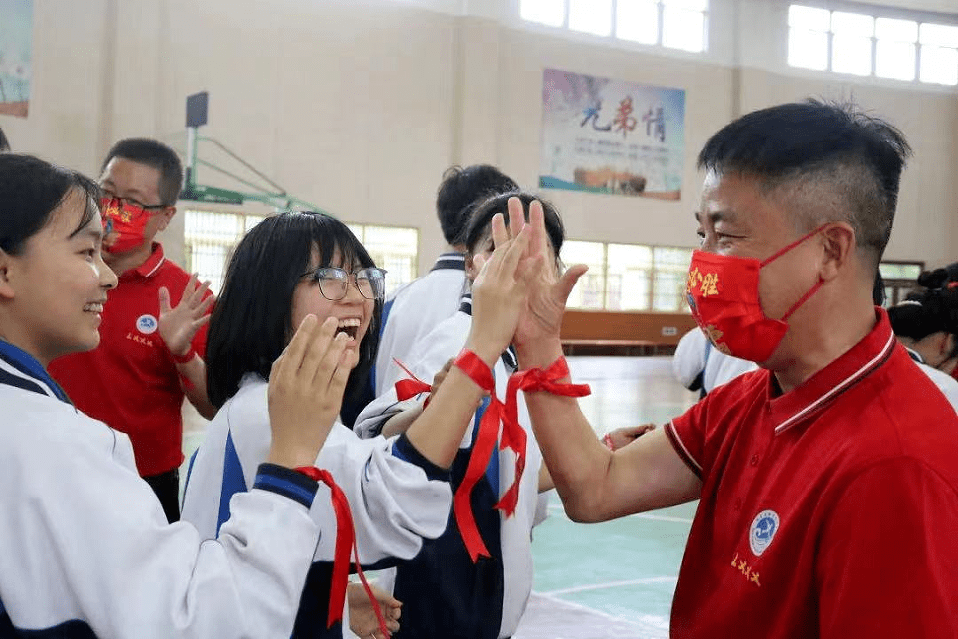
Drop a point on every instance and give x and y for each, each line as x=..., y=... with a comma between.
x=146, y=324
x=762, y=531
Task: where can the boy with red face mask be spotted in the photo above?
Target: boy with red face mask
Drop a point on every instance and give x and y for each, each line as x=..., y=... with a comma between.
x=154, y=326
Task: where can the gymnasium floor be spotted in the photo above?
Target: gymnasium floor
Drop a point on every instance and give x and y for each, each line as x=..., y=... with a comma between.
x=615, y=579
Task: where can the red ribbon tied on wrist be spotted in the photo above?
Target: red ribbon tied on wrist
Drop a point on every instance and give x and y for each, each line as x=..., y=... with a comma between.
x=513, y=435
x=345, y=542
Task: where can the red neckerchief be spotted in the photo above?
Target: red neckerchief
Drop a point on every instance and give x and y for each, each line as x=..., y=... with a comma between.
x=345, y=542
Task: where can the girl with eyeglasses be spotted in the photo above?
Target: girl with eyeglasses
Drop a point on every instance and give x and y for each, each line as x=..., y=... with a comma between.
x=398, y=489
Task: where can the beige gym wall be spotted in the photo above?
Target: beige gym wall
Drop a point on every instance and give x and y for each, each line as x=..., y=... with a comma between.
x=359, y=105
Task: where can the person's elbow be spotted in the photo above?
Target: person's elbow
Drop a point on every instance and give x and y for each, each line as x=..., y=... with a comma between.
x=580, y=509
x=203, y=406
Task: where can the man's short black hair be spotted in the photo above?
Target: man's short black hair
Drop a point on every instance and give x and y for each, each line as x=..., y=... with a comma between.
x=4, y=142
x=838, y=164
x=157, y=155
x=461, y=189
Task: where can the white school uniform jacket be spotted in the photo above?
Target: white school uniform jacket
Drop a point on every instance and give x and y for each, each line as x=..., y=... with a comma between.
x=412, y=311
x=699, y=365
x=396, y=496
x=86, y=550
x=945, y=382
x=506, y=578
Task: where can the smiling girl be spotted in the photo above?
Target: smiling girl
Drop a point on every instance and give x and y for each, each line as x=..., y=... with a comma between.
x=85, y=547
x=398, y=488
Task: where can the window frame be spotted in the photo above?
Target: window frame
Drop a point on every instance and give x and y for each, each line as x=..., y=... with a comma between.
x=653, y=270
x=875, y=12
x=900, y=287
x=191, y=240
x=613, y=37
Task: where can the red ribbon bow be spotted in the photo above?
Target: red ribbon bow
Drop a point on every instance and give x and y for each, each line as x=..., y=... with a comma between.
x=513, y=437
x=345, y=542
x=407, y=388
x=513, y=434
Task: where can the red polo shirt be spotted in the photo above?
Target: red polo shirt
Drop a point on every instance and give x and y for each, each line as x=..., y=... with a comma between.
x=829, y=511
x=130, y=381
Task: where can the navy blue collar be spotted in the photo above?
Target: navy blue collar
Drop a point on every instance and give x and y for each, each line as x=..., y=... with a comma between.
x=450, y=262
x=465, y=304
x=915, y=356
x=22, y=370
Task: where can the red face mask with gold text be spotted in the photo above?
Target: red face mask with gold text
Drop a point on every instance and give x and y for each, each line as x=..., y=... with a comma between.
x=124, y=225
x=723, y=293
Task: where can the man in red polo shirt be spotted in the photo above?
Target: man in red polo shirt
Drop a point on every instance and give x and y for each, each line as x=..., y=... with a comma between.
x=153, y=334
x=827, y=479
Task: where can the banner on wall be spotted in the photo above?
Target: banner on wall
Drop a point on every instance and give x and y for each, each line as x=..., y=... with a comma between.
x=609, y=136
x=16, y=39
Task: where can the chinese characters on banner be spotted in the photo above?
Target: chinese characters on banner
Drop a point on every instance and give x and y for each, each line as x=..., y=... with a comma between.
x=608, y=136
x=16, y=36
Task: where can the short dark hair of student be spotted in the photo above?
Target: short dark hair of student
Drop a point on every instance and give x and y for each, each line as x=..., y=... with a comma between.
x=833, y=163
x=157, y=155
x=4, y=142
x=932, y=310
x=30, y=191
x=952, y=272
x=460, y=190
x=251, y=321
x=480, y=224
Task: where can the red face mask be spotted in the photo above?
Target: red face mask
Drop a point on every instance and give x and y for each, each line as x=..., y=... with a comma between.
x=723, y=293
x=124, y=225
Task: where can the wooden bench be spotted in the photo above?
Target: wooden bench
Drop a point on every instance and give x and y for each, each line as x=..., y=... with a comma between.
x=623, y=332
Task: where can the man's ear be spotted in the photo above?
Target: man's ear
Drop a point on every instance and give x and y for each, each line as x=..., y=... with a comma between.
x=6, y=285
x=165, y=216
x=838, y=240
x=945, y=345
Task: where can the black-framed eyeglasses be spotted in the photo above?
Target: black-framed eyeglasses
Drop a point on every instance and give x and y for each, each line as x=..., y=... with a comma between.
x=334, y=282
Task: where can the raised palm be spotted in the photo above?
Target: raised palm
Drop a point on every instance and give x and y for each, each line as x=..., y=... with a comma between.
x=179, y=325
x=541, y=315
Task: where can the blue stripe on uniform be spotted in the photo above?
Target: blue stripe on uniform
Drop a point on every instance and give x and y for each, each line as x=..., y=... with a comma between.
x=73, y=629
x=286, y=488
x=492, y=470
x=403, y=449
x=233, y=480
x=9, y=379
x=189, y=470
x=28, y=365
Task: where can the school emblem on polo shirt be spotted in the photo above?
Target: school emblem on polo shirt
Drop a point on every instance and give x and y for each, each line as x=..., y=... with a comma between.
x=146, y=324
x=762, y=531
